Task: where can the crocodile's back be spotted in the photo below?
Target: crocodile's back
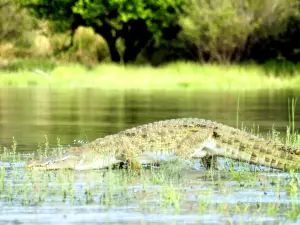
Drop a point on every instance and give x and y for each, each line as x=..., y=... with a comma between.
x=162, y=136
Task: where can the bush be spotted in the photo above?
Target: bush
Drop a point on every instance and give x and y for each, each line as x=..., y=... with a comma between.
x=88, y=47
x=14, y=21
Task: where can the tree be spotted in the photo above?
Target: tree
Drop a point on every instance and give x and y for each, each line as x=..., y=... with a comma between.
x=136, y=22
x=217, y=29
x=58, y=12
x=14, y=21
x=224, y=30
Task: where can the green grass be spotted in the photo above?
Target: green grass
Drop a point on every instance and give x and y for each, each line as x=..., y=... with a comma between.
x=178, y=75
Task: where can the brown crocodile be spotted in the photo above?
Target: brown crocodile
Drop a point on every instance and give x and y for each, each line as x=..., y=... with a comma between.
x=184, y=138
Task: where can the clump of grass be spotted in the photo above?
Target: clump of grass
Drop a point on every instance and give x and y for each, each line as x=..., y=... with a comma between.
x=30, y=65
x=170, y=197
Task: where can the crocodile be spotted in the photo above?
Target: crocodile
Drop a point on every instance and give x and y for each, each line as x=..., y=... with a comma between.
x=183, y=138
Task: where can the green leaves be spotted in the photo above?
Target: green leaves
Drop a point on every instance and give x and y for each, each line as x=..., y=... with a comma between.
x=156, y=14
x=134, y=21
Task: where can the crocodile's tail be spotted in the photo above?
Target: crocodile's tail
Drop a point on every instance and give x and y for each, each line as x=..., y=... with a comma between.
x=250, y=148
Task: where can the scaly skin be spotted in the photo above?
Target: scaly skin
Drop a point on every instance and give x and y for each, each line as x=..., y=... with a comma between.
x=177, y=138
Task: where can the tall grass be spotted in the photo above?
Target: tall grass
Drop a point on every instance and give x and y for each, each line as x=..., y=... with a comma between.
x=179, y=75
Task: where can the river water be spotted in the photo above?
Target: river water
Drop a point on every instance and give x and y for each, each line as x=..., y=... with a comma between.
x=72, y=116
x=87, y=114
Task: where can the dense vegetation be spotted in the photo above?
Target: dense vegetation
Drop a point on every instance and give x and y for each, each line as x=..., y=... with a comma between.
x=150, y=31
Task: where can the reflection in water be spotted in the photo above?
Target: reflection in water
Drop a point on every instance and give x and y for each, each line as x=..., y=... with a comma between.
x=86, y=114
x=153, y=196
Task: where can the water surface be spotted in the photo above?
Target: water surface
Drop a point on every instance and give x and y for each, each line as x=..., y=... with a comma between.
x=229, y=197
x=87, y=114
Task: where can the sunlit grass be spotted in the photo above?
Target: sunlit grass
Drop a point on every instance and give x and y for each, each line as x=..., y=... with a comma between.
x=180, y=75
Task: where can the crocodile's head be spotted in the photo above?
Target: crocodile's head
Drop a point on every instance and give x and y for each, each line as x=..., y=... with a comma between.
x=65, y=161
x=77, y=160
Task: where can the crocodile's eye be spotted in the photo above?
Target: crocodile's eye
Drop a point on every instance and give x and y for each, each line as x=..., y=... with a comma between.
x=47, y=163
x=216, y=135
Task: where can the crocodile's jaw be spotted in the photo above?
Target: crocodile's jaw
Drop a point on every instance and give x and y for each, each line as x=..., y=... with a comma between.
x=65, y=162
x=75, y=162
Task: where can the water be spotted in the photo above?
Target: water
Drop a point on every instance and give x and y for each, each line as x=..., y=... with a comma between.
x=87, y=114
x=82, y=115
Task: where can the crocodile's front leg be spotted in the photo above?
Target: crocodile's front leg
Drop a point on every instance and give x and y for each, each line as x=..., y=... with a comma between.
x=195, y=145
x=211, y=162
x=208, y=160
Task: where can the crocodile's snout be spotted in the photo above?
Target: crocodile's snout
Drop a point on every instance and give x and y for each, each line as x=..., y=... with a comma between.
x=34, y=163
x=65, y=161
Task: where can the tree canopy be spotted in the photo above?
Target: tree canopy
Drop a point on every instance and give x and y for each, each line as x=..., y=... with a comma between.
x=135, y=22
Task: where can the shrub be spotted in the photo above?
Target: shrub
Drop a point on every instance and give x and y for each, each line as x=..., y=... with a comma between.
x=88, y=47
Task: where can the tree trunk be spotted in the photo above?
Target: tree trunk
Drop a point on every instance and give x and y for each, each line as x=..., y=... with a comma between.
x=135, y=37
x=106, y=32
x=114, y=54
x=132, y=49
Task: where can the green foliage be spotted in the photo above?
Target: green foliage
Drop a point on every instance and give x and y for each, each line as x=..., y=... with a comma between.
x=134, y=21
x=59, y=12
x=280, y=43
x=156, y=15
x=218, y=28
x=222, y=30
x=279, y=67
x=14, y=21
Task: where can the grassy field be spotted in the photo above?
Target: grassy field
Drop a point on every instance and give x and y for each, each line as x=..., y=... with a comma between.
x=180, y=75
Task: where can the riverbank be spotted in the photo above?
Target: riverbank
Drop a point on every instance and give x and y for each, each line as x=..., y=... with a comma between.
x=180, y=75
